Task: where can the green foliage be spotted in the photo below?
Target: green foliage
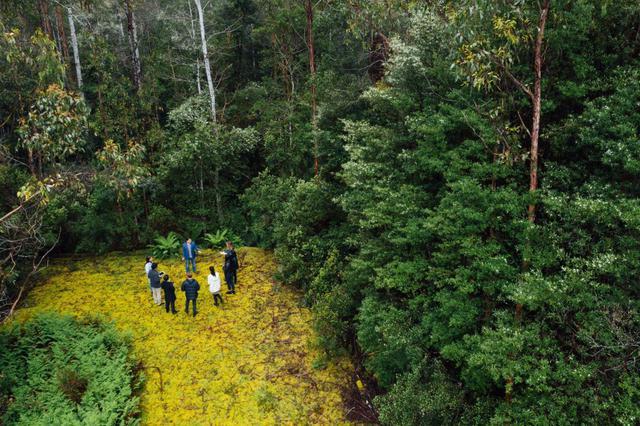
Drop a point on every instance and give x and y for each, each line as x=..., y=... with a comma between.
x=300, y=230
x=29, y=63
x=217, y=239
x=412, y=243
x=100, y=227
x=76, y=372
x=124, y=168
x=161, y=220
x=11, y=180
x=443, y=239
x=166, y=247
x=334, y=302
x=424, y=396
x=263, y=202
x=55, y=125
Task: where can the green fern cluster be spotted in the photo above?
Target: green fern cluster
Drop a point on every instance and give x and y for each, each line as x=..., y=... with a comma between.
x=166, y=247
x=58, y=370
x=220, y=237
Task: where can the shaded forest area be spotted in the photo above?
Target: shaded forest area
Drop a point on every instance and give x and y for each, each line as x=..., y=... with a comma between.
x=453, y=184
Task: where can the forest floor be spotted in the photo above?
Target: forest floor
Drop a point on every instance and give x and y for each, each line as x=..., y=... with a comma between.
x=247, y=362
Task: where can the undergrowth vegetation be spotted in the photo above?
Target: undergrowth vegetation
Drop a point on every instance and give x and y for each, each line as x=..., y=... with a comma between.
x=56, y=369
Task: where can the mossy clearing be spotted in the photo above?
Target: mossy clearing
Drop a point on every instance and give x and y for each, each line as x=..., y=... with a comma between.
x=247, y=362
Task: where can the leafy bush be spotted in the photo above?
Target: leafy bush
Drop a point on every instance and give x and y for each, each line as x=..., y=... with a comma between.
x=192, y=228
x=161, y=219
x=264, y=202
x=423, y=396
x=218, y=239
x=334, y=302
x=74, y=372
x=165, y=247
x=100, y=227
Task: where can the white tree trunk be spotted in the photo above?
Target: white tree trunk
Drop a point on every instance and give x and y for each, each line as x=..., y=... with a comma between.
x=198, y=77
x=207, y=67
x=193, y=37
x=74, y=46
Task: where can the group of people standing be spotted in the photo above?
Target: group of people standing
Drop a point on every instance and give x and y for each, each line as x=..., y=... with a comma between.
x=160, y=282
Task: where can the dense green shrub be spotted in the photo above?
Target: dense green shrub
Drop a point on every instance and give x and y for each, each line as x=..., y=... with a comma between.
x=218, y=239
x=423, y=396
x=264, y=202
x=64, y=371
x=166, y=247
x=334, y=300
x=161, y=220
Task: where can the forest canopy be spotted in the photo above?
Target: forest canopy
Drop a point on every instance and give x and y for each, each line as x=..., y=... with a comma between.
x=452, y=183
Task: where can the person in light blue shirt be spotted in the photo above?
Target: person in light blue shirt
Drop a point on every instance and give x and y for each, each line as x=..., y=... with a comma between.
x=147, y=269
x=189, y=253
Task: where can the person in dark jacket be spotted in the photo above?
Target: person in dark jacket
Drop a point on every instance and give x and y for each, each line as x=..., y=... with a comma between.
x=190, y=288
x=154, y=281
x=230, y=267
x=169, y=295
x=189, y=253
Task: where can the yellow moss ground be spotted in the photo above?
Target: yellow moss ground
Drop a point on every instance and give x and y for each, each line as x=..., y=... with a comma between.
x=249, y=362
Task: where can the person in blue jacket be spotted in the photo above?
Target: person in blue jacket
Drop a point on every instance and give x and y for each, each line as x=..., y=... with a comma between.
x=189, y=253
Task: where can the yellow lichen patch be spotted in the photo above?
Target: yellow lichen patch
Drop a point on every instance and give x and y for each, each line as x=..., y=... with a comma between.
x=247, y=362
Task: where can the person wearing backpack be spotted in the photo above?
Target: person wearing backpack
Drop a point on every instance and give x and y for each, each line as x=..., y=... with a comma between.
x=169, y=295
x=230, y=267
x=214, y=285
x=190, y=288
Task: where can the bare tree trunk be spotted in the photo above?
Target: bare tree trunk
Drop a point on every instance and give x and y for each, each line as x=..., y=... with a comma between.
x=43, y=8
x=133, y=45
x=76, y=54
x=536, y=100
x=32, y=167
x=198, y=85
x=62, y=35
x=56, y=38
x=312, y=71
x=216, y=184
x=207, y=67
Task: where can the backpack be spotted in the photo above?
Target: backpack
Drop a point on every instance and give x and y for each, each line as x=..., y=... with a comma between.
x=234, y=261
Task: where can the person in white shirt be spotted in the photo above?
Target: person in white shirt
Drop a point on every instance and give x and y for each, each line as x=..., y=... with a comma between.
x=214, y=285
x=147, y=269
